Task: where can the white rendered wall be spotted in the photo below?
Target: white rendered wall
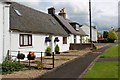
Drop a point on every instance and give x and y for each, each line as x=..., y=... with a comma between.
x=4, y=30
x=38, y=44
x=86, y=29
x=1, y=32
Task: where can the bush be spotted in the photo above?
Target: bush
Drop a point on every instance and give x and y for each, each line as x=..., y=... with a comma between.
x=57, y=48
x=48, y=51
x=112, y=35
x=40, y=65
x=11, y=66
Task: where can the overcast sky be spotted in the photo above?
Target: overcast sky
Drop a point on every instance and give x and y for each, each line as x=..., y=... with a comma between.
x=104, y=12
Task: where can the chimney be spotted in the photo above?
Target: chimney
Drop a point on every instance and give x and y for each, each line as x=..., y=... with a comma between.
x=62, y=13
x=51, y=10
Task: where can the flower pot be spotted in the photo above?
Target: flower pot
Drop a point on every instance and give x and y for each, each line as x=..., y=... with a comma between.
x=20, y=56
x=48, y=54
x=31, y=58
x=57, y=52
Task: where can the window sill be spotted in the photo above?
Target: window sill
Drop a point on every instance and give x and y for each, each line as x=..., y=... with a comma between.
x=24, y=47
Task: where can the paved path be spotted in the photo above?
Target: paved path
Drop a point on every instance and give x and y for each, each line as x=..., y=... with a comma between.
x=108, y=59
x=75, y=68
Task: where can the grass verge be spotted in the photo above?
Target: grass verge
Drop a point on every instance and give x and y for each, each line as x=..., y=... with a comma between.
x=103, y=70
x=111, y=52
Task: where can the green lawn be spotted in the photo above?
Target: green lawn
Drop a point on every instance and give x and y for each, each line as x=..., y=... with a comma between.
x=111, y=52
x=103, y=70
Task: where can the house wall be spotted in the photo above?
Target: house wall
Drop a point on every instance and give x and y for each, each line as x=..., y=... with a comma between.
x=72, y=38
x=64, y=47
x=4, y=33
x=86, y=29
x=39, y=45
x=1, y=32
x=84, y=39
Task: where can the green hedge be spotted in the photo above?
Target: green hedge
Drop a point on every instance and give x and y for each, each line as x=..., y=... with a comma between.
x=11, y=66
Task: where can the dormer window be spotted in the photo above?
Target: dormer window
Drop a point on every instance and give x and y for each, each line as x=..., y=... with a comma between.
x=17, y=12
x=77, y=27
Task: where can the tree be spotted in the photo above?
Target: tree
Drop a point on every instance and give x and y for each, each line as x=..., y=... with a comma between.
x=112, y=36
x=105, y=34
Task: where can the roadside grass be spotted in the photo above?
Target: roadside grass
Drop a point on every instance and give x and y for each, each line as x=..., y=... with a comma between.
x=103, y=70
x=111, y=52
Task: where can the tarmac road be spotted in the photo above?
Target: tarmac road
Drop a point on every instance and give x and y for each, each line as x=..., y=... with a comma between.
x=74, y=68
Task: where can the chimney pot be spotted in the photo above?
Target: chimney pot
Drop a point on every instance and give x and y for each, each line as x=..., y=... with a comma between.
x=62, y=13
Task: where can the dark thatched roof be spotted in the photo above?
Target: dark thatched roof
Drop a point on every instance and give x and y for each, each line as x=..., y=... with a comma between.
x=67, y=25
x=33, y=21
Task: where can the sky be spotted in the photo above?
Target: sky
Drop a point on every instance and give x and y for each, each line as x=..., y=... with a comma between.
x=104, y=12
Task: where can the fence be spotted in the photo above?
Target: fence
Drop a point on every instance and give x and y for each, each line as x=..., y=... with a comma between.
x=12, y=54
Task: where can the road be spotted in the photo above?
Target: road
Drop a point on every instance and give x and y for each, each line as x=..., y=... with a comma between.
x=74, y=68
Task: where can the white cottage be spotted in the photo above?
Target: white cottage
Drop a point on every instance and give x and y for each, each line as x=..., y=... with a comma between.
x=77, y=39
x=25, y=29
x=86, y=29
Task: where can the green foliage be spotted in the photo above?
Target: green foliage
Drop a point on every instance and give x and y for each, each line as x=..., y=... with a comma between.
x=9, y=66
x=48, y=50
x=105, y=34
x=57, y=48
x=112, y=35
x=103, y=70
x=40, y=65
x=111, y=52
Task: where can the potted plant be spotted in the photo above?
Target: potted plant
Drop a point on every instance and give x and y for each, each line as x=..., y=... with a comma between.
x=31, y=56
x=57, y=49
x=48, y=51
x=47, y=39
x=20, y=56
x=56, y=39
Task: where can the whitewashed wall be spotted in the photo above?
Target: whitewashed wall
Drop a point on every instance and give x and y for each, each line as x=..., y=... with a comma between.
x=1, y=32
x=84, y=39
x=64, y=47
x=39, y=45
x=4, y=30
x=86, y=29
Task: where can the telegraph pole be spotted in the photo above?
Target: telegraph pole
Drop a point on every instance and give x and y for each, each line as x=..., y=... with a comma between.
x=90, y=24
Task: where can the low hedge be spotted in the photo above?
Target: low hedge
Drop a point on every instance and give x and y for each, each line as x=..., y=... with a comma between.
x=11, y=66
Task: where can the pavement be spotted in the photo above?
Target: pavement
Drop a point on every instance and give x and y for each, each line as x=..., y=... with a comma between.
x=74, y=68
